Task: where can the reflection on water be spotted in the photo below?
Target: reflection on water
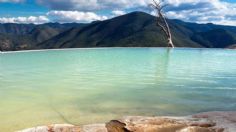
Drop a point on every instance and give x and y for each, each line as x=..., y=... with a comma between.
x=95, y=85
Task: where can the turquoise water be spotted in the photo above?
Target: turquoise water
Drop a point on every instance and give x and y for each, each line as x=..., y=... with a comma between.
x=82, y=86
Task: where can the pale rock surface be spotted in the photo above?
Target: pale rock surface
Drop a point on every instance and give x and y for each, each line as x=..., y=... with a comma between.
x=94, y=128
x=203, y=122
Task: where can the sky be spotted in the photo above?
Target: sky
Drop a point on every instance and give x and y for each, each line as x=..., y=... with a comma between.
x=221, y=12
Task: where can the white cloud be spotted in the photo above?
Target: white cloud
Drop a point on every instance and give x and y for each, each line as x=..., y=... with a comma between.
x=25, y=20
x=118, y=12
x=174, y=15
x=179, y=2
x=56, y=16
x=203, y=11
x=216, y=11
x=89, y=5
x=74, y=16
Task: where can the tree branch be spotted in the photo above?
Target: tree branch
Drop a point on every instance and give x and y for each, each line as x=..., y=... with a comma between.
x=161, y=20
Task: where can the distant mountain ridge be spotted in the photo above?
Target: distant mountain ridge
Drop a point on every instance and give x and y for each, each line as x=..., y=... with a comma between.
x=136, y=29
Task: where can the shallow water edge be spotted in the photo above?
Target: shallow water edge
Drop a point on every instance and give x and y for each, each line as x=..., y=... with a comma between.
x=80, y=86
x=203, y=122
x=35, y=50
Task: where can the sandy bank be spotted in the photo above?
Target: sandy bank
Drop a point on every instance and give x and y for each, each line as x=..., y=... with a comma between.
x=203, y=122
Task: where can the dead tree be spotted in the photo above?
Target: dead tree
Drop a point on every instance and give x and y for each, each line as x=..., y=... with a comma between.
x=162, y=22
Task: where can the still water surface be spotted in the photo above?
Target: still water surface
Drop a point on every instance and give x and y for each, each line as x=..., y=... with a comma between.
x=82, y=86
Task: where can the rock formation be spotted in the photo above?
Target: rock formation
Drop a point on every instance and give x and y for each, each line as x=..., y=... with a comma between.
x=204, y=122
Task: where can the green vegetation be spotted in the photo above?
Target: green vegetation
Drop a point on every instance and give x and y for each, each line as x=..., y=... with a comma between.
x=135, y=29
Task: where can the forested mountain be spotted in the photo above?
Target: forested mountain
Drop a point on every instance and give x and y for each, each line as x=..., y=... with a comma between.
x=136, y=29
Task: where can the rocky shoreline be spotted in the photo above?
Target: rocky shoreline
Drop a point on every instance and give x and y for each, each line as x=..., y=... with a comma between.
x=203, y=122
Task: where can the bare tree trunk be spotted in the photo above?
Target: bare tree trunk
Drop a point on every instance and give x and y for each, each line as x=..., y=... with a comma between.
x=170, y=43
x=162, y=23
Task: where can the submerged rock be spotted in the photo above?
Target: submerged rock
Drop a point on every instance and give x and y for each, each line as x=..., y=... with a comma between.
x=116, y=126
x=93, y=128
x=54, y=128
x=168, y=124
x=204, y=122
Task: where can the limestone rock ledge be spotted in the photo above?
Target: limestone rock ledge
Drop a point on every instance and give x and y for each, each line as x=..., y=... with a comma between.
x=203, y=122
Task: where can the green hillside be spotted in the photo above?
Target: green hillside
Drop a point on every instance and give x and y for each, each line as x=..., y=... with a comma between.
x=136, y=29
